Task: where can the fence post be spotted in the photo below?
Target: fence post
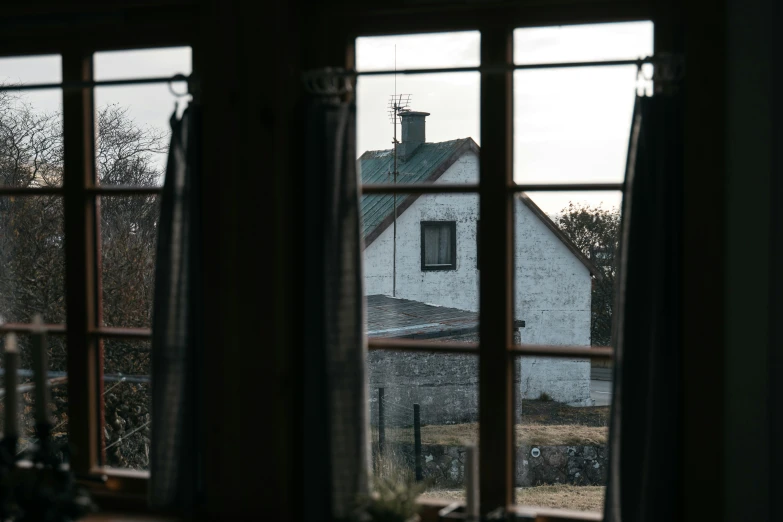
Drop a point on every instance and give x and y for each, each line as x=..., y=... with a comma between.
x=381, y=423
x=417, y=441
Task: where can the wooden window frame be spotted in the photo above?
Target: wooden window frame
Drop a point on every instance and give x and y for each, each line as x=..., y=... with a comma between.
x=452, y=225
x=496, y=189
x=478, y=244
x=171, y=25
x=84, y=331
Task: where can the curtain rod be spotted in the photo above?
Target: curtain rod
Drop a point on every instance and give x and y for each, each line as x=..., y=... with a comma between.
x=336, y=81
x=177, y=78
x=503, y=69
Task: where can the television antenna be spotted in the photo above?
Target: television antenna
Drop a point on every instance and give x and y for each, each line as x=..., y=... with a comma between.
x=398, y=105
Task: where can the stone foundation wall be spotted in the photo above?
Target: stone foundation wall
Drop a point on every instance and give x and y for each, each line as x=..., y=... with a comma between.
x=444, y=465
x=577, y=465
x=444, y=386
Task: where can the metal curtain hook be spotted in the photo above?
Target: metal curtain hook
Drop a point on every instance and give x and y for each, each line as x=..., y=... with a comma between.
x=177, y=78
x=639, y=78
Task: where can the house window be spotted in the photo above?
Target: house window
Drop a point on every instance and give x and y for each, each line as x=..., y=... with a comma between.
x=81, y=206
x=438, y=245
x=528, y=116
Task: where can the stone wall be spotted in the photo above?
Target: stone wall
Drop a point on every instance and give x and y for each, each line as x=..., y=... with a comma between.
x=444, y=465
x=444, y=386
x=577, y=465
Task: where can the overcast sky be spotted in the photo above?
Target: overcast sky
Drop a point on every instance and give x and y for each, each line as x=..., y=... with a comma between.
x=147, y=105
x=570, y=125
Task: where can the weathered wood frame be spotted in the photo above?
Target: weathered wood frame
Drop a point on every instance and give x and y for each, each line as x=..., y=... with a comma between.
x=496, y=188
x=143, y=28
x=330, y=27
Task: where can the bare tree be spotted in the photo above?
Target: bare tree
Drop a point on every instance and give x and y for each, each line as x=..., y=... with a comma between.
x=32, y=259
x=595, y=231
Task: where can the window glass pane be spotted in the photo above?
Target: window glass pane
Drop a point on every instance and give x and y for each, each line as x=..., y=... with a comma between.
x=58, y=406
x=439, y=304
x=438, y=250
x=418, y=51
x=561, y=449
x=31, y=259
x=564, y=271
x=30, y=123
x=444, y=390
x=438, y=140
x=430, y=246
x=572, y=125
x=23, y=70
x=564, y=267
x=126, y=394
x=583, y=43
x=133, y=121
x=128, y=241
x=142, y=63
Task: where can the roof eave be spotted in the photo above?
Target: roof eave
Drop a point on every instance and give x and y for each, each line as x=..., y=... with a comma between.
x=468, y=146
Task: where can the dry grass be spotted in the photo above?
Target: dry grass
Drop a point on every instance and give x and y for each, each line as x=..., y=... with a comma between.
x=567, y=435
x=556, y=414
x=578, y=498
x=460, y=434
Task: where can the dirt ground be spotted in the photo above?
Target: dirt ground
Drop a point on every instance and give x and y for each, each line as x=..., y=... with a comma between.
x=542, y=422
x=578, y=498
x=554, y=413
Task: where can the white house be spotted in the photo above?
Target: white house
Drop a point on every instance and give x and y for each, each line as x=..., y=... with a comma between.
x=437, y=256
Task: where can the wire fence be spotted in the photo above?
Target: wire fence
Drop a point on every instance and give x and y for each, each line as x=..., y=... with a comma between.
x=125, y=430
x=389, y=461
x=107, y=377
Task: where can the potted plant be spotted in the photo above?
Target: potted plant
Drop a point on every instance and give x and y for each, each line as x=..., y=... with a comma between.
x=393, y=500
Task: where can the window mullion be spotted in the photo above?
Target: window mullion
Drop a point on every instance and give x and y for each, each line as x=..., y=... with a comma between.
x=496, y=431
x=79, y=205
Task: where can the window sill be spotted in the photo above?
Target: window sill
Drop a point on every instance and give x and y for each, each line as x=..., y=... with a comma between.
x=431, y=507
x=126, y=517
x=123, y=491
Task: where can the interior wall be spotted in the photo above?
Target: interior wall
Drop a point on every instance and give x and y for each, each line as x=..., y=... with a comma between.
x=727, y=423
x=250, y=87
x=775, y=366
x=250, y=66
x=748, y=155
x=700, y=33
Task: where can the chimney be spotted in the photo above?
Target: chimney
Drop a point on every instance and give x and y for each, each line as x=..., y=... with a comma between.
x=412, y=133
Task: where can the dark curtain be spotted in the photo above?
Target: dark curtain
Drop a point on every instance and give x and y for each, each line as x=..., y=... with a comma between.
x=175, y=449
x=335, y=396
x=643, y=483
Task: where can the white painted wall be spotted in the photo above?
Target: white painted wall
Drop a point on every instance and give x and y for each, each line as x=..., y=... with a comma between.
x=552, y=296
x=455, y=288
x=552, y=292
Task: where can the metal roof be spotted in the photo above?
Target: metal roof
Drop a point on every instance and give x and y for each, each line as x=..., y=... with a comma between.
x=394, y=317
x=425, y=165
x=403, y=318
